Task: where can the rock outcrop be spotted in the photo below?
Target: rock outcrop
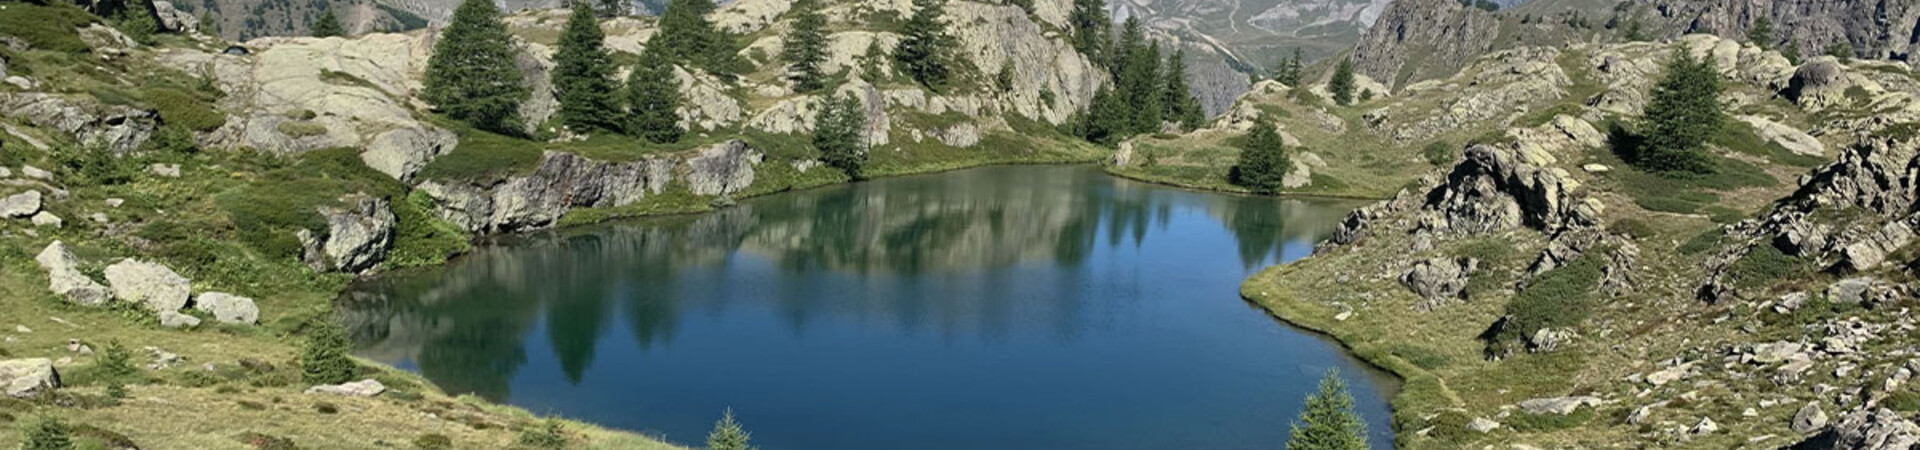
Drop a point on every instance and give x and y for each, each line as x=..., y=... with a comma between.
x=1877, y=429
x=28, y=377
x=357, y=237
x=21, y=205
x=1498, y=187
x=66, y=280
x=1439, y=280
x=565, y=181
x=1436, y=36
x=1877, y=29
x=118, y=128
x=149, y=284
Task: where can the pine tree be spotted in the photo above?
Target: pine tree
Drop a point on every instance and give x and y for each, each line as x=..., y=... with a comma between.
x=1682, y=114
x=728, y=435
x=653, y=99
x=1178, y=99
x=138, y=21
x=1329, y=422
x=1341, y=86
x=328, y=25
x=1290, y=69
x=1132, y=39
x=1108, y=120
x=583, y=74
x=806, y=46
x=1792, y=52
x=1141, y=87
x=46, y=433
x=324, y=360
x=689, y=38
x=1634, y=34
x=1092, y=30
x=839, y=133
x=472, y=76
x=924, y=49
x=613, y=8
x=1842, y=50
x=1263, y=163
x=1762, y=33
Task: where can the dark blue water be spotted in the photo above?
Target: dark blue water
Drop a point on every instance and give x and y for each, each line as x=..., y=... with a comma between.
x=997, y=308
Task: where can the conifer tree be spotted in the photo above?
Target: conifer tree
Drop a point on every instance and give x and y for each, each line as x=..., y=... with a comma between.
x=1792, y=52
x=689, y=38
x=613, y=8
x=324, y=360
x=1178, y=97
x=1290, y=69
x=923, y=52
x=138, y=21
x=1132, y=39
x=1341, y=86
x=1329, y=422
x=806, y=46
x=472, y=76
x=328, y=25
x=653, y=99
x=1263, y=163
x=728, y=435
x=583, y=74
x=1108, y=119
x=1762, y=33
x=1682, y=114
x=839, y=133
x=1092, y=30
x=46, y=433
x=1141, y=87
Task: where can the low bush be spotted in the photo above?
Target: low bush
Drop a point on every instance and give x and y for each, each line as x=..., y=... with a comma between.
x=1630, y=227
x=186, y=109
x=1766, y=264
x=433, y=442
x=548, y=434
x=1560, y=298
x=46, y=433
x=324, y=358
x=1440, y=153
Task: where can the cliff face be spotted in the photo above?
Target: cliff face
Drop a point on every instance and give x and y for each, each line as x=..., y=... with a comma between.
x=1877, y=29
x=1422, y=39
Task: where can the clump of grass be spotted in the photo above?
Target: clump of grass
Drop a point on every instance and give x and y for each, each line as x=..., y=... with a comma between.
x=1535, y=423
x=1440, y=153
x=1704, y=241
x=1423, y=357
x=548, y=434
x=298, y=130
x=1766, y=264
x=181, y=108
x=433, y=442
x=326, y=408
x=263, y=441
x=1631, y=227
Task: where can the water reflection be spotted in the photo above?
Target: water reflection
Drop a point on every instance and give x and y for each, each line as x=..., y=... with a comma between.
x=1010, y=259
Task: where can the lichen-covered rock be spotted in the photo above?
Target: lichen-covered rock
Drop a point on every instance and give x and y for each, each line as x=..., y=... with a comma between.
x=118, y=128
x=148, y=284
x=1876, y=429
x=357, y=237
x=723, y=169
x=1439, y=280
x=562, y=182
x=65, y=279
x=227, y=308
x=21, y=205
x=1809, y=418
x=28, y=377
x=47, y=219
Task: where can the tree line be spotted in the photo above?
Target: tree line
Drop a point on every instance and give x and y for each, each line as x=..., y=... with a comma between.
x=1148, y=90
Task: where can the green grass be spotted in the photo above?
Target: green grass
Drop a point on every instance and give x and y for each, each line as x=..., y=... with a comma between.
x=1742, y=138
x=268, y=211
x=1560, y=298
x=52, y=27
x=186, y=109
x=1764, y=265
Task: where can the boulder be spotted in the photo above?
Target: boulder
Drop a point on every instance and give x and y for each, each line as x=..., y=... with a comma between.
x=1809, y=419
x=1706, y=426
x=1794, y=140
x=1851, y=290
x=118, y=128
x=164, y=170
x=149, y=284
x=36, y=173
x=363, y=388
x=65, y=279
x=1876, y=429
x=357, y=238
x=227, y=308
x=1557, y=405
x=1482, y=425
x=47, y=219
x=28, y=377
x=21, y=205
x=175, y=20
x=1439, y=279
x=174, y=319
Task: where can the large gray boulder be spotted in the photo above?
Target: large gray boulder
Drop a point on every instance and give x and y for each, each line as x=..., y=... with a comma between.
x=1439, y=279
x=28, y=377
x=118, y=128
x=21, y=205
x=227, y=308
x=357, y=238
x=65, y=279
x=149, y=284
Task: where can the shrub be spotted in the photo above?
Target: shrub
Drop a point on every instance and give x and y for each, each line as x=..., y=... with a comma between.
x=1440, y=153
x=548, y=434
x=94, y=165
x=326, y=408
x=116, y=362
x=324, y=360
x=1560, y=298
x=46, y=433
x=181, y=108
x=1630, y=227
x=1765, y=264
x=433, y=442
